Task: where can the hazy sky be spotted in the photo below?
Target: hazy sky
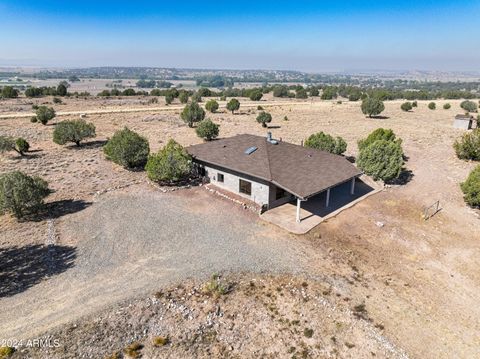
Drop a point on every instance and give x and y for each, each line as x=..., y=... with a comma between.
x=298, y=35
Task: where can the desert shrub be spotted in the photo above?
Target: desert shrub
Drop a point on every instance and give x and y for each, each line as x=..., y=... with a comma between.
x=211, y=106
x=33, y=119
x=57, y=100
x=301, y=93
x=73, y=131
x=378, y=134
x=160, y=341
x=446, y=106
x=264, y=118
x=44, y=114
x=314, y=91
x=171, y=164
x=183, y=97
x=256, y=95
x=61, y=90
x=469, y=106
x=21, y=194
x=233, y=105
x=197, y=97
x=19, y=145
x=308, y=332
x=133, y=350
x=468, y=147
x=325, y=142
x=382, y=160
x=329, y=93
x=8, y=92
x=260, y=108
x=169, y=98
x=127, y=148
x=406, y=106
x=6, y=352
x=192, y=113
x=207, y=130
x=471, y=188
x=216, y=287
x=372, y=106
x=432, y=106
x=414, y=104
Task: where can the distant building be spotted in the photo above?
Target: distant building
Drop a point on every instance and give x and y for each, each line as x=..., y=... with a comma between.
x=463, y=122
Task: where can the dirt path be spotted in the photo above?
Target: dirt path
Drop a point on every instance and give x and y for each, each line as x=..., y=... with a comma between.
x=134, y=241
x=152, y=109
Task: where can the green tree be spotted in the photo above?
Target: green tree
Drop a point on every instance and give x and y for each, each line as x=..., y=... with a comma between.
x=9, y=92
x=171, y=164
x=127, y=148
x=183, y=96
x=169, y=98
x=256, y=95
x=73, y=131
x=469, y=106
x=207, y=130
x=406, y=106
x=326, y=142
x=44, y=114
x=414, y=104
x=372, y=106
x=192, y=113
x=21, y=194
x=329, y=93
x=432, y=106
x=382, y=160
x=378, y=134
x=197, y=97
x=233, y=105
x=468, y=147
x=211, y=106
x=314, y=92
x=446, y=106
x=301, y=93
x=61, y=90
x=264, y=118
x=19, y=145
x=471, y=188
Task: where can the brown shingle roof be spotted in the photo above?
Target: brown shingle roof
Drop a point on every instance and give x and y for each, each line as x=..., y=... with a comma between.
x=299, y=170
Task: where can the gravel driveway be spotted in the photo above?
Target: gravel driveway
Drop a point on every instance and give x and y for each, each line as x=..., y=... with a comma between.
x=134, y=241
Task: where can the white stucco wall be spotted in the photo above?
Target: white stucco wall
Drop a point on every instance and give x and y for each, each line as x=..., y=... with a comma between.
x=260, y=191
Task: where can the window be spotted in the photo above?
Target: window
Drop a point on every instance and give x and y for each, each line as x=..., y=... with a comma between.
x=245, y=187
x=220, y=177
x=280, y=193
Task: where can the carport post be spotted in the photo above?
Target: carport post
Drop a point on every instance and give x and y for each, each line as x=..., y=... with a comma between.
x=298, y=209
x=352, y=187
x=328, y=198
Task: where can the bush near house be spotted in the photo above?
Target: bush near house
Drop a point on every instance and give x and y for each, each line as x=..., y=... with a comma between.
x=44, y=114
x=469, y=106
x=378, y=134
x=19, y=145
x=325, y=142
x=73, y=131
x=192, y=113
x=233, y=105
x=21, y=194
x=382, y=160
x=171, y=164
x=468, y=147
x=264, y=118
x=127, y=148
x=471, y=188
x=372, y=106
x=212, y=106
x=207, y=130
x=432, y=106
x=406, y=106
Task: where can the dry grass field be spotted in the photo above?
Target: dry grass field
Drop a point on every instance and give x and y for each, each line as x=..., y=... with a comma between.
x=419, y=279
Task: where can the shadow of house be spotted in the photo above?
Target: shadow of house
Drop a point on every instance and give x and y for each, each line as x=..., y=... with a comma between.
x=24, y=267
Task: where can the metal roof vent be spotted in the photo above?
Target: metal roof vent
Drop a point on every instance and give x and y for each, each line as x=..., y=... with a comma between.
x=250, y=150
x=270, y=139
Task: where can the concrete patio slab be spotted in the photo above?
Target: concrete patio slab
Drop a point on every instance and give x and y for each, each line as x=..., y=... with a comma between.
x=313, y=211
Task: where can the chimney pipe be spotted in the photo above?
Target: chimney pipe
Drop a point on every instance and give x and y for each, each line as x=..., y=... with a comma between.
x=269, y=136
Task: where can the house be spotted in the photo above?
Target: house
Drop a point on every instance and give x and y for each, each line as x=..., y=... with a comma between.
x=270, y=172
x=463, y=122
